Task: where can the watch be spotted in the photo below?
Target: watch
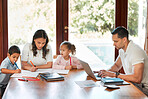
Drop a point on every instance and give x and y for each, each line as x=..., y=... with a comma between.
x=117, y=73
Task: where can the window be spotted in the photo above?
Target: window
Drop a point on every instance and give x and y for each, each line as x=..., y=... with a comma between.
x=137, y=13
x=90, y=26
x=27, y=16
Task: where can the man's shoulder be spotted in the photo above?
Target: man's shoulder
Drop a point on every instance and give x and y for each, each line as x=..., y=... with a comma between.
x=134, y=48
x=134, y=45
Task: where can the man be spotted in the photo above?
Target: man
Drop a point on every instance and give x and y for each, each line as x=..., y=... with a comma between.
x=132, y=58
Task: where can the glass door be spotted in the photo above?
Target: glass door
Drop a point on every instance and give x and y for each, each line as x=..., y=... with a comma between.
x=137, y=13
x=90, y=26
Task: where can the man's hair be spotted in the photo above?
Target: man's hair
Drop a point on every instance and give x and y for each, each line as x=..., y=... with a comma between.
x=121, y=31
x=14, y=49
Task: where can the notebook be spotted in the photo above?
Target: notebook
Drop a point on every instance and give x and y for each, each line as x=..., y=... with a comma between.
x=111, y=80
x=89, y=71
x=51, y=76
x=114, y=81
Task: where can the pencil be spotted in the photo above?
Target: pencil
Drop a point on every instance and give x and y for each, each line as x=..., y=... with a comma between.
x=32, y=64
x=16, y=65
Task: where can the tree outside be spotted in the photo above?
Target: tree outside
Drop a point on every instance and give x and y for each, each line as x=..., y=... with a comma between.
x=89, y=19
x=88, y=15
x=27, y=16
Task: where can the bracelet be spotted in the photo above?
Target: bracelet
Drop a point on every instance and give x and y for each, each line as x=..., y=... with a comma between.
x=117, y=74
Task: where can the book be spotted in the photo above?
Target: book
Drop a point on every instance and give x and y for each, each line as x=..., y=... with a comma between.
x=51, y=76
x=112, y=81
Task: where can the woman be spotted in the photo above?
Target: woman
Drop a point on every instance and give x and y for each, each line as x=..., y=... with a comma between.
x=39, y=52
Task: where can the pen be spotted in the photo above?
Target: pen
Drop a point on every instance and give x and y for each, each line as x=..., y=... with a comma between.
x=70, y=61
x=33, y=79
x=32, y=64
x=23, y=80
x=28, y=77
x=16, y=65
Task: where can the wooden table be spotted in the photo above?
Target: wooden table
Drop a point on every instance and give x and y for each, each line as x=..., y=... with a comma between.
x=68, y=89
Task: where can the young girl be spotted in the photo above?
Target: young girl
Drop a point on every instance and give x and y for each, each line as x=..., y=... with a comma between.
x=65, y=61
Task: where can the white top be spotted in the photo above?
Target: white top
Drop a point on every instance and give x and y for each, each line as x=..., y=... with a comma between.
x=27, y=55
x=134, y=55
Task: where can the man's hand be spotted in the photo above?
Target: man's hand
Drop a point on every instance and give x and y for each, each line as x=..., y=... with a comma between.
x=104, y=73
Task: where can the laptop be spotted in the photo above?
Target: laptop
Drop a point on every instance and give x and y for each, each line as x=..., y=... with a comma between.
x=89, y=71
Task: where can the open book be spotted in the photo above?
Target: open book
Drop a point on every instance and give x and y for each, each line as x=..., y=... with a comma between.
x=51, y=76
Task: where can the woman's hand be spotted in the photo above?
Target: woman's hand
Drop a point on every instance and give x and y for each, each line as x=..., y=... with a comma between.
x=33, y=69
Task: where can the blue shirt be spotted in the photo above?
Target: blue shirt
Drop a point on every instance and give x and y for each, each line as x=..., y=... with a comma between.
x=4, y=78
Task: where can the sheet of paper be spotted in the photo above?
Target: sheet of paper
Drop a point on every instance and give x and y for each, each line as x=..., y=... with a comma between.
x=25, y=73
x=60, y=71
x=44, y=70
x=35, y=74
x=52, y=71
x=87, y=83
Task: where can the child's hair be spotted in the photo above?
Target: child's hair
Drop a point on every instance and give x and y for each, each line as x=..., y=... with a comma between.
x=70, y=47
x=40, y=34
x=14, y=49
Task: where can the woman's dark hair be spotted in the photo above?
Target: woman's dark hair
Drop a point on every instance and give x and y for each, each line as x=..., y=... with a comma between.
x=69, y=46
x=40, y=34
x=14, y=49
x=121, y=31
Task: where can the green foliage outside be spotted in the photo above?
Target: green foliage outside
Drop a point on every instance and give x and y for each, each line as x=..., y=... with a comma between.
x=98, y=16
x=133, y=17
x=27, y=16
x=86, y=16
x=92, y=15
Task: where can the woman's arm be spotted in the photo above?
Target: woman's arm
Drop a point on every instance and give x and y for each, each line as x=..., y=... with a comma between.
x=27, y=66
x=48, y=65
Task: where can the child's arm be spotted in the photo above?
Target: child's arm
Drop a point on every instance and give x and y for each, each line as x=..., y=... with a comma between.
x=68, y=67
x=57, y=64
x=27, y=66
x=8, y=71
